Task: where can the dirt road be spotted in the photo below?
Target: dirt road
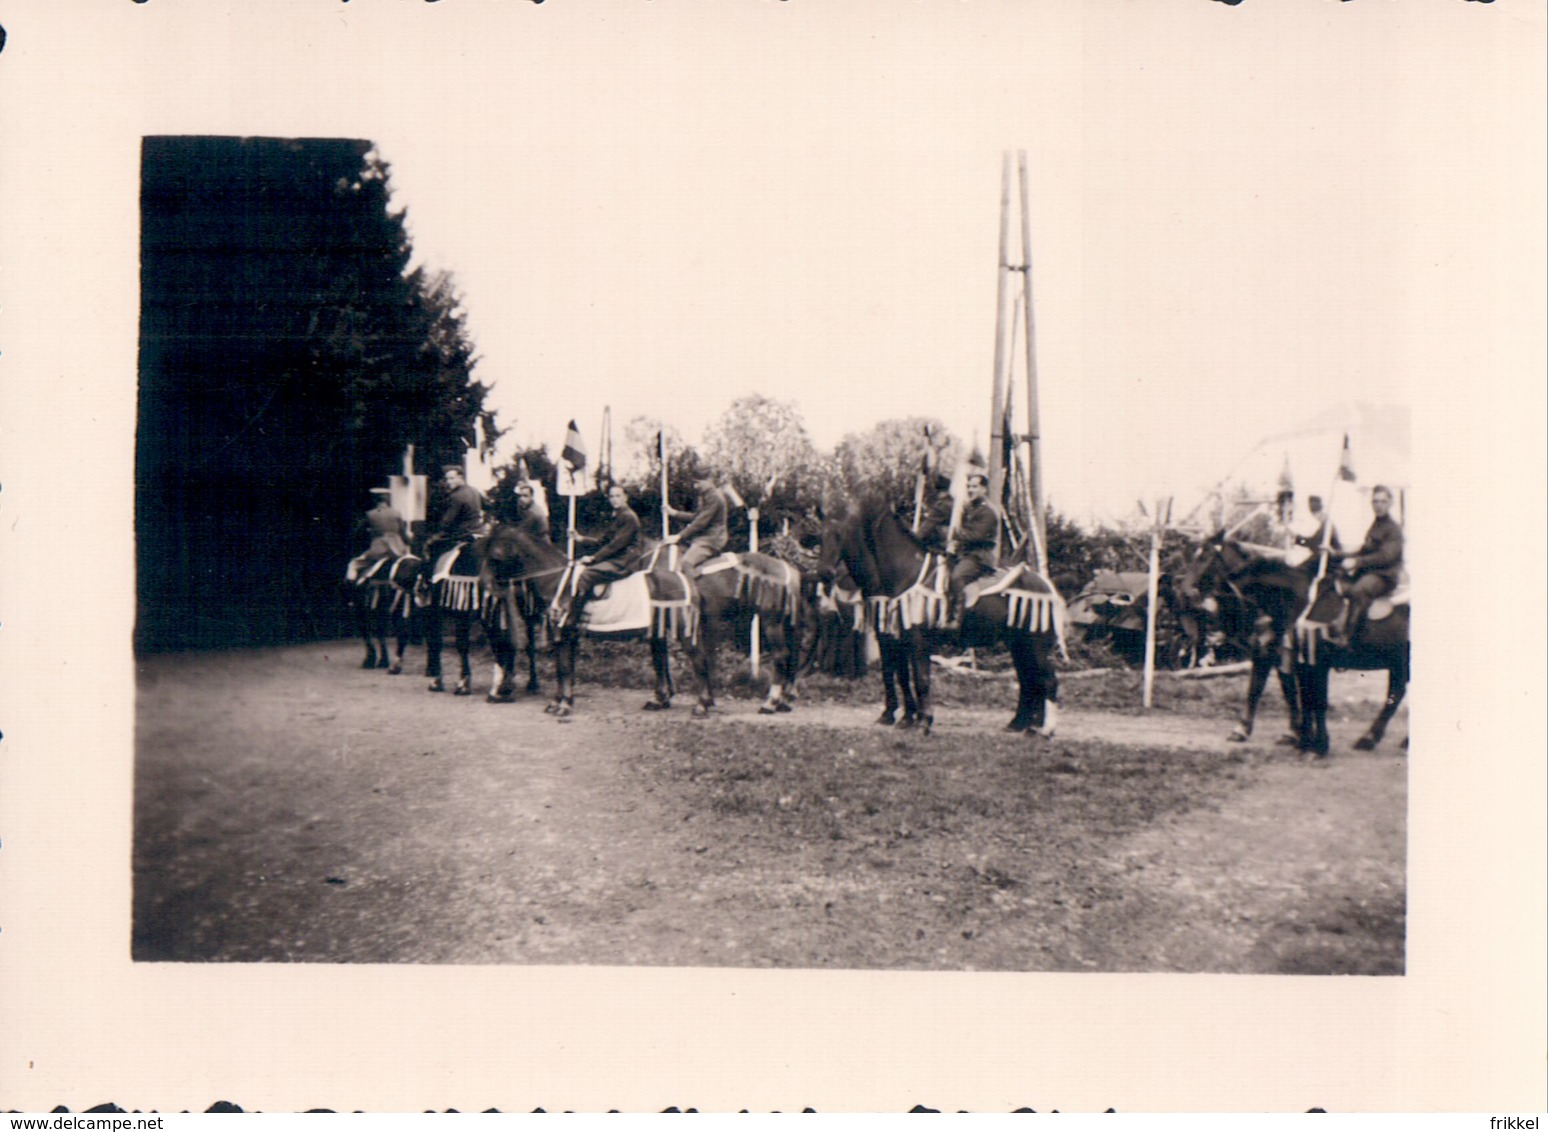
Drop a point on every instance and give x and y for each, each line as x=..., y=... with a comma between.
x=291, y=807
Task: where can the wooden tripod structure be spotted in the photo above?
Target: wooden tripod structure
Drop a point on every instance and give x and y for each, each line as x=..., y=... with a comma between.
x=1007, y=318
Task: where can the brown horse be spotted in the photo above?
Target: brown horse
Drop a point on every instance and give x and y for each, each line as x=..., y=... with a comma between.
x=1267, y=595
x=383, y=600
x=1292, y=641
x=695, y=610
x=906, y=608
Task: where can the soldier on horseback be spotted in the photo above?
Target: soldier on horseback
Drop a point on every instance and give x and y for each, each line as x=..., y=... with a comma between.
x=621, y=544
x=705, y=535
x=976, y=545
x=464, y=514
x=386, y=528
x=1374, y=569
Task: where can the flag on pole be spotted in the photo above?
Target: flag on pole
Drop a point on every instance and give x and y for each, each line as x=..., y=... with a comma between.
x=573, y=479
x=1286, y=481
x=1346, y=470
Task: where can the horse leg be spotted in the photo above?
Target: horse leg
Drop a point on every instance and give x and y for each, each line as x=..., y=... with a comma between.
x=462, y=624
x=1044, y=688
x=532, y=673
x=434, y=630
x=889, y=674
x=778, y=640
x=564, y=672
x=704, y=661
x=1026, y=675
x=1314, y=709
x=661, y=664
x=1397, y=687
x=919, y=655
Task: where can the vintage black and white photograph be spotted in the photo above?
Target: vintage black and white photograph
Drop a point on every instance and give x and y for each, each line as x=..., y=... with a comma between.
x=840, y=507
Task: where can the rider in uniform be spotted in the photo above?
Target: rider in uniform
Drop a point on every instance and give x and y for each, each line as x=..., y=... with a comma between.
x=1374, y=568
x=977, y=545
x=386, y=527
x=705, y=534
x=621, y=544
x=531, y=519
x=463, y=517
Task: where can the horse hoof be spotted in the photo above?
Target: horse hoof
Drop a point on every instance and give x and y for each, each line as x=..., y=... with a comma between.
x=1239, y=735
x=437, y=686
x=656, y=705
x=550, y=709
x=462, y=689
x=395, y=670
x=500, y=698
x=765, y=709
x=533, y=689
x=907, y=723
x=927, y=725
x=384, y=663
x=1018, y=724
x=563, y=712
x=783, y=706
x=701, y=711
x=1365, y=743
x=886, y=719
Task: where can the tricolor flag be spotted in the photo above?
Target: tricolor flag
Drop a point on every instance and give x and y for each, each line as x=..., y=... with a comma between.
x=572, y=464
x=1346, y=470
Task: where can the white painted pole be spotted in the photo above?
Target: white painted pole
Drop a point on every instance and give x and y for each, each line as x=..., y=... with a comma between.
x=754, y=650
x=1163, y=509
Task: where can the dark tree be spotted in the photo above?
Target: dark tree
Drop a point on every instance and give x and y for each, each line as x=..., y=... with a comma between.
x=286, y=358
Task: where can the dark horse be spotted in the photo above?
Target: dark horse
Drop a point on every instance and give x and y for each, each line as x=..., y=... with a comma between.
x=1267, y=594
x=383, y=599
x=906, y=606
x=1379, y=645
x=1292, y=641
x=450, y=590
x=693, y=610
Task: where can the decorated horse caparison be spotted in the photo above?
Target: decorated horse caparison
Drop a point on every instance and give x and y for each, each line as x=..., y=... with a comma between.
x=696, y=611
x=1292, y=639
x=904, y=588
x=449, y=588
x=383, y=599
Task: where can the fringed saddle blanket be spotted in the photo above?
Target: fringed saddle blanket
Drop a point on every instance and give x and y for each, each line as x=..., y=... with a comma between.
x=921, y=606
x=661, y=603
x=768, y=584
x=1031, y=601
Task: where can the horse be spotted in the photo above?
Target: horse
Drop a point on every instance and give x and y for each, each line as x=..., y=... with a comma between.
x=511, y=604
x=903, y=588
x=1292, y=640
x=383, y=600
x=695, y=610
x=1265, y=593
x=1380, y=644
x=449, y=586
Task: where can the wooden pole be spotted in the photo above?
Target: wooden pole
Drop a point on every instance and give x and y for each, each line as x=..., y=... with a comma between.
x=1034, y=426
x=570, y=537
x=997, y=397
x=753, y=652
x=1163, y=512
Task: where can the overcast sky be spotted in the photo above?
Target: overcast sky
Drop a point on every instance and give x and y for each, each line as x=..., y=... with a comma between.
x=1241, y=215
x=661, y=213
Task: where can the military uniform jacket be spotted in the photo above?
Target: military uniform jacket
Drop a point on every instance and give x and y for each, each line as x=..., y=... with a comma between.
x=978, y=534
x=708, y=524
x=621, y=540
x=463, y=515
x=1382, y=551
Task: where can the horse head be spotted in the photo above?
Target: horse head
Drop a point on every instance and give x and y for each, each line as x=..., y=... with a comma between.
x=508, y=553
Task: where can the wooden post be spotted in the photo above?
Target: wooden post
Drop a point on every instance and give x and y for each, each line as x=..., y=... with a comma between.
x=1034, y=427
x=753, y=651
x=997, y=397
x=1163, y=513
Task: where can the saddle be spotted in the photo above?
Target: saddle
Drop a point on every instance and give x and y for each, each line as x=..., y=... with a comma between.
x=1032, y=603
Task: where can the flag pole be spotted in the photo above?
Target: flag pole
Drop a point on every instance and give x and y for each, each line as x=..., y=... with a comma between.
x=1152, y=588
x=997, y=470
x=1034, y=427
